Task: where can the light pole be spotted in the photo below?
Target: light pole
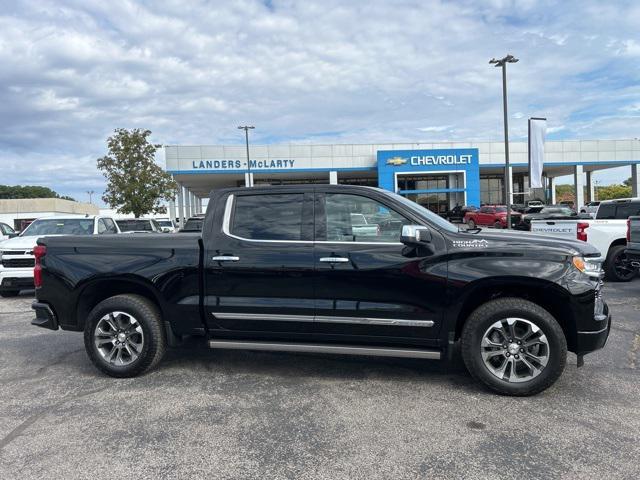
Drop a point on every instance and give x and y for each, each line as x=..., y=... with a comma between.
x=507, y=178
x=246, y=129
x=90, y=193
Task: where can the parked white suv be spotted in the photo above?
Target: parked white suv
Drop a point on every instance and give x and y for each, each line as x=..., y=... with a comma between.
x=607, y=232
x=16, y=257
x=590, y=208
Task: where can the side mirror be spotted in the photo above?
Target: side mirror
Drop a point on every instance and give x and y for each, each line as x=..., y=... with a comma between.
x=415, y=235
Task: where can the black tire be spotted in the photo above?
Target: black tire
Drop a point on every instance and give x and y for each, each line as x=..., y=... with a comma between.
x=471, y=224
x=148, y=317
x=489, y=313
x=497, y=224
x=9, y=293
x=613, y=267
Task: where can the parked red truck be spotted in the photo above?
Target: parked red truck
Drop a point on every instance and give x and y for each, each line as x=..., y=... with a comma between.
x=491, y=216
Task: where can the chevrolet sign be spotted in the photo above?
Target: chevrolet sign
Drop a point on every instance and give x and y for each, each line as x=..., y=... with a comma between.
x=396, y=161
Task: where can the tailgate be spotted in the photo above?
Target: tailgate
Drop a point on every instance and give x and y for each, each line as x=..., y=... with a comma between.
x=634, y=230
x=557, y=228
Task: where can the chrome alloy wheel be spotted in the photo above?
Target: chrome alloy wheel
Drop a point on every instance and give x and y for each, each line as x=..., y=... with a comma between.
x=515, y=350
x=118, y=338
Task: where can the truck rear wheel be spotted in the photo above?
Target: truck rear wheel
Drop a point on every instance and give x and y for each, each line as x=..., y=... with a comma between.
x=616, y=267
x=123, y=336
x=514, y=347
x=9, y=293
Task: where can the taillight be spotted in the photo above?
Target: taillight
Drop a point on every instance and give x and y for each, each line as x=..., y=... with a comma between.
x=628, y=230
x=39, y=251
x=582, y=234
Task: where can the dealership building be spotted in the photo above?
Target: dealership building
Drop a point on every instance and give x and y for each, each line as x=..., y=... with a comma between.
x=436, y=175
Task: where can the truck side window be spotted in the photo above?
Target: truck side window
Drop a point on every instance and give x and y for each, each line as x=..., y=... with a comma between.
x=626, y=210
x=102, y=228
x=606, y=211
x=110, y=225
x=268, y=217
x=353, y=218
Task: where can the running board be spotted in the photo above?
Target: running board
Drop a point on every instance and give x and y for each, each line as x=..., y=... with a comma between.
x=325, y=348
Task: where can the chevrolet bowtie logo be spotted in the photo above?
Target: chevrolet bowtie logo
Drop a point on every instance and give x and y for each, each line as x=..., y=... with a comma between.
x=396, y=161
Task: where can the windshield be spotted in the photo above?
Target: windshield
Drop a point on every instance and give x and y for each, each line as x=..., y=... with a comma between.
x=165, y=223
x=501, y=209
x=135, y=225
x=193, y=224
x=425, y=212
x=60, y=226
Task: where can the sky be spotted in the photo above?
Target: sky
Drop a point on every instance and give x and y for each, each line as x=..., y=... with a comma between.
x=320, y=71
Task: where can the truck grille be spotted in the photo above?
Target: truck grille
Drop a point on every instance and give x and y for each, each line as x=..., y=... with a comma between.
x=18, y=262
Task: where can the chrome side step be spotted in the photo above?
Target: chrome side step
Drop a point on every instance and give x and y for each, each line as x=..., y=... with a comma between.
x=325, y=348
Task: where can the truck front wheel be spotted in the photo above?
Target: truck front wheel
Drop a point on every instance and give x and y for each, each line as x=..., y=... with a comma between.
x=514, y=346
x=123, y=336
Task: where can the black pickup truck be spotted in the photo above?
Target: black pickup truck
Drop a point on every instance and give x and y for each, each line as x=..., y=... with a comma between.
x=284, y=269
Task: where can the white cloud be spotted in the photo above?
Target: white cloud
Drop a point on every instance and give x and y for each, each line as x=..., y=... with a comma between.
x=73, y=70
x=437, y=129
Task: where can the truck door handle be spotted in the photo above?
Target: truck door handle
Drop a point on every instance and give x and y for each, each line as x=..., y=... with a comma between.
x=225, y=258
x=334, y=260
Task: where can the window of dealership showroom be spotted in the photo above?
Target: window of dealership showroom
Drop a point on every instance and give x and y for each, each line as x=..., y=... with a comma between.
x=436, y=179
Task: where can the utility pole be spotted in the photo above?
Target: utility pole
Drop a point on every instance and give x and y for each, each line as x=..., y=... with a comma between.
x=507, y=178
x=246, y=129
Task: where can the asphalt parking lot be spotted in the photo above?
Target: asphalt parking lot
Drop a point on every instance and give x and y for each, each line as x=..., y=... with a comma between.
x=276, y=415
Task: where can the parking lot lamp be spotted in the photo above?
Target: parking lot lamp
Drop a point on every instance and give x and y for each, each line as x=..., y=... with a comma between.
x=507, y=180
x=246, y=129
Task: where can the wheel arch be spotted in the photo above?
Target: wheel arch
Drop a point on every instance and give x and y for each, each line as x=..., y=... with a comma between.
x=544, y=293
x=617, y=242
x=98, y=290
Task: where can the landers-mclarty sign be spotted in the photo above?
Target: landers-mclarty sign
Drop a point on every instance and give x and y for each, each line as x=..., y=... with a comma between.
x=242, y=164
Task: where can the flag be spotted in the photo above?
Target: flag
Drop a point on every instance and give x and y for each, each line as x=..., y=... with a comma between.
x=537, y=131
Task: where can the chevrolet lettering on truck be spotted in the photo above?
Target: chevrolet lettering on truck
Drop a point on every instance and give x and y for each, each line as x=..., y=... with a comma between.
x=291, y=268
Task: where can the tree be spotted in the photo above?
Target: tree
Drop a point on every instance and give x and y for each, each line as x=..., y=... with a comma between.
x=565, y=193
x=611, y=192
x=29, y=191
x=135, y=183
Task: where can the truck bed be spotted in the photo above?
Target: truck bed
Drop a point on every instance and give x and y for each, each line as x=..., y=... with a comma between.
x=168, y=263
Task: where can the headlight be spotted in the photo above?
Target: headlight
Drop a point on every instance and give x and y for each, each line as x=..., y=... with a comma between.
x=593, y=269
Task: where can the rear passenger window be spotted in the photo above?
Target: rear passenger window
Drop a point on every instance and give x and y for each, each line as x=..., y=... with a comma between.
x=626, y=210
x=268, y=217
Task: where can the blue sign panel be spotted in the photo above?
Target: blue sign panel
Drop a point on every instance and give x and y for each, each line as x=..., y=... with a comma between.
x=391, y=162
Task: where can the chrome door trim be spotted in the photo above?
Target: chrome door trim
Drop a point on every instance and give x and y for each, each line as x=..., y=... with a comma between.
x=263, y=316
x=392, y=322
x=225, y=258
x=334, y=260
